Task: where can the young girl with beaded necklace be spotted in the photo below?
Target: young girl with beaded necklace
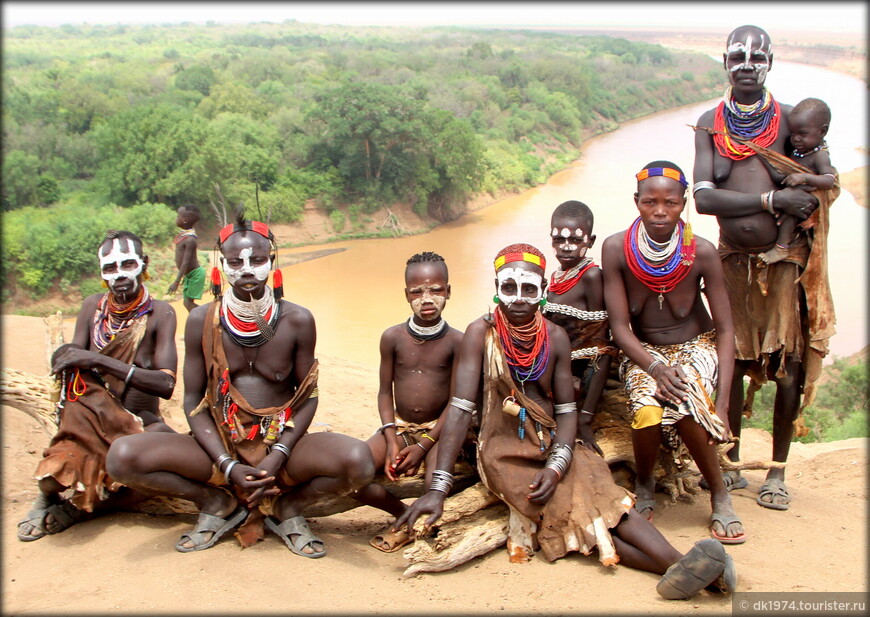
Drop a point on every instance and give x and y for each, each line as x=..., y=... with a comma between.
x=676, y=357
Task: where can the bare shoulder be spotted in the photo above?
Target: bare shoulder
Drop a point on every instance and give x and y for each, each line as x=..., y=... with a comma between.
x=297, y=314
x=162, y=309
x=196, y=319
x=557, y=333
x=613, y=243
x=90, y=303
x=707, y=117
x=392, y=334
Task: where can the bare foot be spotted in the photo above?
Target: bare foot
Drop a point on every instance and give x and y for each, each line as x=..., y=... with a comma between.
x=777, y=253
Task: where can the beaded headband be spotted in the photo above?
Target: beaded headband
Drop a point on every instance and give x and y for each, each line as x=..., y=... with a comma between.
x=667, y=172
x=255, y=226
x=529, y=257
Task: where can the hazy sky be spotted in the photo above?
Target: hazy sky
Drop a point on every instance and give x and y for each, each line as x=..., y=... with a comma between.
x=846, y=17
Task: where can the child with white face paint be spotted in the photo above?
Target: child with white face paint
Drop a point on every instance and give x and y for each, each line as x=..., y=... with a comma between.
x=416, y=371
x=575, y=301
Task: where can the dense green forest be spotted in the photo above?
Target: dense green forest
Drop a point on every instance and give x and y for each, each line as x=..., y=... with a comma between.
x=122, y=124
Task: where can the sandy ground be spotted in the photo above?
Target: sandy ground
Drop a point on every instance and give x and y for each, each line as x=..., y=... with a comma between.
x=126, y=563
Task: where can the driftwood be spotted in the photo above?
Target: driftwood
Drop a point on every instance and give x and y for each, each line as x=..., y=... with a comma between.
x=459, y=541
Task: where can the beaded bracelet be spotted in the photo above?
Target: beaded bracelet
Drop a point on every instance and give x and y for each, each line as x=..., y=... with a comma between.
x=442, y=481
x=229, y=470
x=652, y=365
x=386, y=426
x=463, y=404
x=129, y=374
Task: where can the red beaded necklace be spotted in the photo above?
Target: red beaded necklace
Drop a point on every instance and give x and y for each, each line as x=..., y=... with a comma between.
x=559, y=285
x=526, y=347
x=657, y=276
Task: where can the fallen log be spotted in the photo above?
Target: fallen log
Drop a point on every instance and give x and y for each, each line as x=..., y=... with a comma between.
x=461, y=504
x=459, y=541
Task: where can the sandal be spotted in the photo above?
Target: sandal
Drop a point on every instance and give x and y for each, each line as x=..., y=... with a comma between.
x=391, y=541
x=643, y=505
x=297, y=535
x=725, y=520
x=773, y=488
x=732, y=480
x=35, y=517
x=702, y=565
x=63, y=516
x=209, y=523
x=727, y=581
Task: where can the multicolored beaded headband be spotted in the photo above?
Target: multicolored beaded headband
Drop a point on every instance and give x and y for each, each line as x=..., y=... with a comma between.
x=667, y=172
x=255, y=226
x=529, y=257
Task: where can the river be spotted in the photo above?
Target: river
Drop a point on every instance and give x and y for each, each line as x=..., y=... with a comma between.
x=356, y=293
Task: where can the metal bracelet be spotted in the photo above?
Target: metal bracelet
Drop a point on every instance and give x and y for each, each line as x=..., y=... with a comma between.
x=560, y=459
x=280, y=447
x=129, y=374
x=703, y=184
x=565, y=408
x=223, y=458
x=652, y=365
x=464, y=405
x=422, y=447
x=442, y=481
x=386, y=426
x=587, y=412
x=229, y=469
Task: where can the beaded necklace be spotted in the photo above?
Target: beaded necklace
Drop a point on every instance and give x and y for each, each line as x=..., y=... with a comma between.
x=659, y=266
x=112, y=317
x=426, y=333
x=821, y=146
x=526, y=348
x=250, y=324
x=756, y=122
x=560, y=281
x=186, y=233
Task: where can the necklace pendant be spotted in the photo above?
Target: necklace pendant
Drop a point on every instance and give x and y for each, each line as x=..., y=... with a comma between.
x=661, y=300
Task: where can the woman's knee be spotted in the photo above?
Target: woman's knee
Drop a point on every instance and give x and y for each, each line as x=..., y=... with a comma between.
x=123, y=459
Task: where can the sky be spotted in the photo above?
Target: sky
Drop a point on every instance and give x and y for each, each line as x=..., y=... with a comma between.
x=834, y=17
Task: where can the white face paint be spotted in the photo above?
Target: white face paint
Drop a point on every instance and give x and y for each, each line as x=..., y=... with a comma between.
x=429, y=296
x=566, y=233
x=234, y=274
x=519, y=278
x=118, y=264
x=759, y=61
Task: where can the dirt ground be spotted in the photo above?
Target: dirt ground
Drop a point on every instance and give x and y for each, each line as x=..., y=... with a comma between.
x=125, y=562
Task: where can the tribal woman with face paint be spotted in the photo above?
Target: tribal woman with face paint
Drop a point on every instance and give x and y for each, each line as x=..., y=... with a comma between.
x=121, y=359
x=250, y=393
x=575, y=301
x=560, y=496
x=783, y=320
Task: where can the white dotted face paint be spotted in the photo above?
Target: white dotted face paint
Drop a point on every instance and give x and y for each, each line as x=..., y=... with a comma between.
x=234, y=274
x=515, y=284
x=121, y=263
x=427, y=296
